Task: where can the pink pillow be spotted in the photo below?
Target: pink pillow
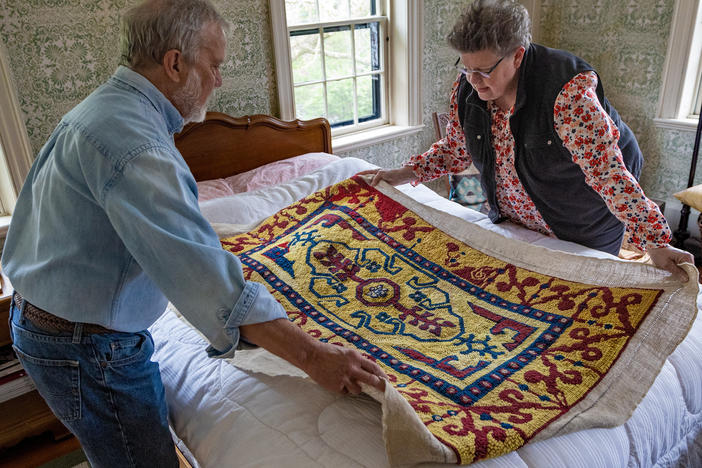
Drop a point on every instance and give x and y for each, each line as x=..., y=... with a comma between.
x=215, y=188
x=269, y=174
x=278, y=172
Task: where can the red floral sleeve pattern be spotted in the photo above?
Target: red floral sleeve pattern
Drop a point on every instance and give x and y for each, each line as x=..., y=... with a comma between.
x=592, y=138
x=447, y=155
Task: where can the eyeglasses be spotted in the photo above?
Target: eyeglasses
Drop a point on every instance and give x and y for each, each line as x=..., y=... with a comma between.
x=468, y=72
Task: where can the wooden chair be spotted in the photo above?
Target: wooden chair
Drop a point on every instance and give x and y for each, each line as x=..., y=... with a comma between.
x=440, y=119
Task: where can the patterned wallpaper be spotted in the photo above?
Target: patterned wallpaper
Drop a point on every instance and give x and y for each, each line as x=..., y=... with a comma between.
x=60, y=50
x=627, y=42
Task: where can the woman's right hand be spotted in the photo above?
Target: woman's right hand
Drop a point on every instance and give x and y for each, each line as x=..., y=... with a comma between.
x=398, y=176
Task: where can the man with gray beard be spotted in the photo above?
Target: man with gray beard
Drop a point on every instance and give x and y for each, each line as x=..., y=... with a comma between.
x=107, y=230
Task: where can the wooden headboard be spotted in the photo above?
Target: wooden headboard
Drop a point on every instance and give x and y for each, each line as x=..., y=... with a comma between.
x=222, y=146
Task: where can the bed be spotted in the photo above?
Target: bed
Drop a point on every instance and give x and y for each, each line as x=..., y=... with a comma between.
x=254, y=410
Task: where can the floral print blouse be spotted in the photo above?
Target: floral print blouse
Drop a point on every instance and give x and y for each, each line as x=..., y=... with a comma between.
x=591, y=137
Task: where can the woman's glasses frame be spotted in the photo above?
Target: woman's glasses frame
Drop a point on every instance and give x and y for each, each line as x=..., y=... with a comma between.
x=467, y=72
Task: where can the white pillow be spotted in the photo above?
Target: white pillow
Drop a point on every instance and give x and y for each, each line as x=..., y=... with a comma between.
x=253, y=207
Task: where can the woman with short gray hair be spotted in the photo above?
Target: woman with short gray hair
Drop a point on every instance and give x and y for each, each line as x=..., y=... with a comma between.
x=501, y=26
x=552, y=152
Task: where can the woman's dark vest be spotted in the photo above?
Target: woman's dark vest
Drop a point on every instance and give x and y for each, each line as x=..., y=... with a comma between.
x=573, y=210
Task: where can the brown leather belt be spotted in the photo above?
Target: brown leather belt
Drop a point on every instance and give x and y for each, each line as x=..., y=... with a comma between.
x=43, y=319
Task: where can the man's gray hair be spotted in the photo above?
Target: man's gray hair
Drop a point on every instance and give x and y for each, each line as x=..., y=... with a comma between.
x=497, y=25
x=154, y=27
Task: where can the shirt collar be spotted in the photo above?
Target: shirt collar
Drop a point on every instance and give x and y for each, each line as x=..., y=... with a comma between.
x=174, y=121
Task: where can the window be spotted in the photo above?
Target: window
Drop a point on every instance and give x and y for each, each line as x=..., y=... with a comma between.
x=337, y=59
x=338, y=65
x=681, y=96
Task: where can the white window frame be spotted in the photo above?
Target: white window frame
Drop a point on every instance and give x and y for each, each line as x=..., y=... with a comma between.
x=382, y=20
x=696, y=111
x=403, y=74
x=682, y=70
x=15, y=150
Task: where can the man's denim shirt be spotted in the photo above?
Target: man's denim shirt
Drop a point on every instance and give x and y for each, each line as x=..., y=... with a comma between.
x=107, y=225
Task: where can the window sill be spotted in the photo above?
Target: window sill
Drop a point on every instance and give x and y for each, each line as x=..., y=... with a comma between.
x=352, y=141
x=683, y=125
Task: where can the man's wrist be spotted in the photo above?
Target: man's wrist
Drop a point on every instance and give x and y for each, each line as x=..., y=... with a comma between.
x=305, y=349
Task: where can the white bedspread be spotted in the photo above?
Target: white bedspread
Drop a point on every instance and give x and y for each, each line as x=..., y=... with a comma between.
x=231, y=417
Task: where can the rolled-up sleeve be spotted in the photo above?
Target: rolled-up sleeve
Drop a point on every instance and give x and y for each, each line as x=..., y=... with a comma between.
x=255, y=305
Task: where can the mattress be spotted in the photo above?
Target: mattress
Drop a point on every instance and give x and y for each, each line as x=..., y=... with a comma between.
x=228, y=413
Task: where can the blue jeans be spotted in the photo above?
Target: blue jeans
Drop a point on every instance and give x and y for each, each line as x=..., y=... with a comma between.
x=103, y=387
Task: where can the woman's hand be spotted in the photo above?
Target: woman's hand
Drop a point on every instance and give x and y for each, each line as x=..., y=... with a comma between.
x=398, y=176
x=668, y=258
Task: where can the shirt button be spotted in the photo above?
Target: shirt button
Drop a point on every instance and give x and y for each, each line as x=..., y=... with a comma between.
x=548, y=142
x=478, y=137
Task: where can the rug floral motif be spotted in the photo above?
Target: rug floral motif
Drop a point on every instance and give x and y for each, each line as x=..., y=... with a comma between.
x=487, y=353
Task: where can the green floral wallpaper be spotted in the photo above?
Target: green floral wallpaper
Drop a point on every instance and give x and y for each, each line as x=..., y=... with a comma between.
x=627, y=42
x=60, y=50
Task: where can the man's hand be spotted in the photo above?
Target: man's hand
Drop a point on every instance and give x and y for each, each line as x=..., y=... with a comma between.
x=398, y=176
x=340, y=370
x=668, y=258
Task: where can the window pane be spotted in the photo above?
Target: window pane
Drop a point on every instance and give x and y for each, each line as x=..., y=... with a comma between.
x=362, y=8
x=340, y=102
x=301, y=11
x=305, y=56
x=332, y=10
x=337, y=51
x=309, y=101
x=367, y=47
x=368, y=97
